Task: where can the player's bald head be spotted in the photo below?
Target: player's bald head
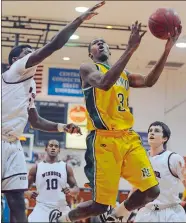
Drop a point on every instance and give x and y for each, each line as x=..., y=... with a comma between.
x=93, y=42
x=98, y=50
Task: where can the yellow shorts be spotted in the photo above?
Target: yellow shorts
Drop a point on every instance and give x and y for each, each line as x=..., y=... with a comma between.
x=114, y=154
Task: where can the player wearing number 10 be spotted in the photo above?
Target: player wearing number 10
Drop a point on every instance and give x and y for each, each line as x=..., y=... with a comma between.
x=51, y=178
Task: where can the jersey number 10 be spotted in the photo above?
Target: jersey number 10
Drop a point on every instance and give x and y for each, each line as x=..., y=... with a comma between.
x=52, y=184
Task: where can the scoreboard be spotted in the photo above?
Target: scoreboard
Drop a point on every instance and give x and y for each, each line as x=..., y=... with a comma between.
x=52, y=111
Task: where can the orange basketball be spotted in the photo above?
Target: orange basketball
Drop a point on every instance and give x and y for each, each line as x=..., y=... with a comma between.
x=164, y=21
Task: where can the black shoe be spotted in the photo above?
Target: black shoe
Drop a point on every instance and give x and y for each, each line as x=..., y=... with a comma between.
x=107, y=217
x=55, y=215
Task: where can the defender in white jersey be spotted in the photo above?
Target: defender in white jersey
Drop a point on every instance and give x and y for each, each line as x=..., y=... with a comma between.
x=51, y=178
x=169, y=168
x=18, y=93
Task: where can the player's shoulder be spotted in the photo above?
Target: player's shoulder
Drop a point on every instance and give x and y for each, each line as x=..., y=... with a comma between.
x=176, y=158
x=20, y=62
x=41, y=162
x=174, y=154
x=7, y=72
x=87, y=67
x=61, y=163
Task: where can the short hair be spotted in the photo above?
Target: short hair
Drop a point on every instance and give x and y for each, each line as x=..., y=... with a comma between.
x=16, y=51
x=90, y=44
x=166, y=130
x=46, y=144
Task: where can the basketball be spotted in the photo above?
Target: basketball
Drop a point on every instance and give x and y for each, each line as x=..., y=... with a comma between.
x=164, y=21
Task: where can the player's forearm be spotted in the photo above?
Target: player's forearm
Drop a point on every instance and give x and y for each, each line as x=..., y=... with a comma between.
x=59, y=40
x=113, y=74
x=47, y=126
x=30, y=183
x=156, y=71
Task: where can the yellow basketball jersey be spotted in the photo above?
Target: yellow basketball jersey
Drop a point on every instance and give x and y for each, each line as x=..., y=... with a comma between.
x=108, y=110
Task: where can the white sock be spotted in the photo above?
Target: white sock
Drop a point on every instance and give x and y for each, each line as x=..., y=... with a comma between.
x=64, y=218
x=121, y=211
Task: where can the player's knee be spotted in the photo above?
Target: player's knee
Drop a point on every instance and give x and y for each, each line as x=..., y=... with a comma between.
x=153, y=193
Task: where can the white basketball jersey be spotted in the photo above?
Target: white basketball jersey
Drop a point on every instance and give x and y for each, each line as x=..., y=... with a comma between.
x=168, y=184
x=18, y=94
x=50, y=180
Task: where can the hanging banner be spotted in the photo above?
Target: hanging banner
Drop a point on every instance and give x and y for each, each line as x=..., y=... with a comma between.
x=64, y=82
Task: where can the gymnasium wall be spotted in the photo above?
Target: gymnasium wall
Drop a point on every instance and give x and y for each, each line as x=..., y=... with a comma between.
x=175, y=110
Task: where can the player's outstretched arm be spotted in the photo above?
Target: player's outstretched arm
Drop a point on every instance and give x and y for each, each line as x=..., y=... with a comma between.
x=91, y=76
x=74, y=189
x=59, y=40
x=42, y=124
x=142, y=81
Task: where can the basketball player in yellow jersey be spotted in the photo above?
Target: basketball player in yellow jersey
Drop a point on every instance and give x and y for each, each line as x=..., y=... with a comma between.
x=114, y=150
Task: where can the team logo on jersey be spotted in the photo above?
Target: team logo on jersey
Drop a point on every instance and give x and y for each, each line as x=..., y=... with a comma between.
x=54, y=215
x=146, y=172
x=156, y=207
x=157, y=174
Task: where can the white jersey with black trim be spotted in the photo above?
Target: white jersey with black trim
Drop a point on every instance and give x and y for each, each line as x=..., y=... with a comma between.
x=167, y=170
x=18, y=94
x=50, y=180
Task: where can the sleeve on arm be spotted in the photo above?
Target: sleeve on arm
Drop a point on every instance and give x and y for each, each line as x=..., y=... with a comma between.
x=18, y=70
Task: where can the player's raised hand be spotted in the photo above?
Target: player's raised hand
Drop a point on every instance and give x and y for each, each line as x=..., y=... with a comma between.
x=135, y=36
x=91, y=11
x=172, y=39
x=72, y=129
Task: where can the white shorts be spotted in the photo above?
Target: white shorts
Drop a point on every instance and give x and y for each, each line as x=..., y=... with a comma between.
x=14, y=169
x=171, y=214
x=41, y=213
